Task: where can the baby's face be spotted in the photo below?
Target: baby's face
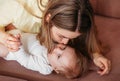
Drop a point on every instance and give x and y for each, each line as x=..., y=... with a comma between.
x=60, y=57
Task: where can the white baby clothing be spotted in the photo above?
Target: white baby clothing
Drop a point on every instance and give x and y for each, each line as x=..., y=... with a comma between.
x=31, y=55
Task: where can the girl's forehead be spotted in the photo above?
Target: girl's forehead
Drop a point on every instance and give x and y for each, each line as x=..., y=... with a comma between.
x=66, y=33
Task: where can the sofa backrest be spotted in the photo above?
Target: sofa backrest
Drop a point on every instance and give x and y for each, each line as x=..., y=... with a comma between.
x=110, y=8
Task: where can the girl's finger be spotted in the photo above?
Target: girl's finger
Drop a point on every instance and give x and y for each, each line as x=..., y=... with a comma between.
x=109, y=66
x=106, y=68
x=12, y=38
x=12, y=49
x=12, y=43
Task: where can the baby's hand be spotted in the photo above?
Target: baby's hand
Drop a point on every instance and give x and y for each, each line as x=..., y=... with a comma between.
x=103, y=63
x=11, y=42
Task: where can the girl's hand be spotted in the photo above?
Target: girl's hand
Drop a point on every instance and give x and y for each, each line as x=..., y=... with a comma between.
x=10, y=41
x=103, y=63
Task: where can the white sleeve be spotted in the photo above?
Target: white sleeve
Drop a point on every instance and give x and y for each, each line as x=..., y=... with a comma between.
x=38, y=54
x=39, y=64
x=37, y=49
x=35, y=63
x=32, y=45
x=8, y=10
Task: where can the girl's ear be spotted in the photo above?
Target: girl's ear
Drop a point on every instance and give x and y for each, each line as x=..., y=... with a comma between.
x=48, y=17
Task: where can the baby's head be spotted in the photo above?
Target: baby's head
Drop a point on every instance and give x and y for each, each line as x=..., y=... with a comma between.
x=68, y=62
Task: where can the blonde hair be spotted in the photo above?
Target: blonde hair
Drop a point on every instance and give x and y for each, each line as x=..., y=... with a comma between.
x=71, y=15
x=64, y=14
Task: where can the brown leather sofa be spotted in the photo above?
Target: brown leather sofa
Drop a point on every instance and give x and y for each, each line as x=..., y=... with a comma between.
x=107, y=18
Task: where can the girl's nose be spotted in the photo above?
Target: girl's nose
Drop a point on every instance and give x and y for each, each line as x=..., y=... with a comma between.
x=61, y=46
x=65, y=41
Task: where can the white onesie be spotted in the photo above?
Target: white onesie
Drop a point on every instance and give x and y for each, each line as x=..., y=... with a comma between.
x=31, y=55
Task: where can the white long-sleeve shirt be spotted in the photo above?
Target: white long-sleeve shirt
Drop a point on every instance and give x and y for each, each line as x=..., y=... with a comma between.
x=12, y=11
x=31, y=55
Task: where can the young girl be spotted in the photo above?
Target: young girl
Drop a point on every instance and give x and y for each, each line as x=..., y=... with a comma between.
x=69, y=22
x=34, y=56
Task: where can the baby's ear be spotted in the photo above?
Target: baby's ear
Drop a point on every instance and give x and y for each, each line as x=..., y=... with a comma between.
x=48, y=17
x=57, y=71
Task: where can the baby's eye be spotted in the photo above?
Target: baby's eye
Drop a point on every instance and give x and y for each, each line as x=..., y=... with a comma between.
x=59, y=56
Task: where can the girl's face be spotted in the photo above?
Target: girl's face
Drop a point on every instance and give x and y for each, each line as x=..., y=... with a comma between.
x=62, y=36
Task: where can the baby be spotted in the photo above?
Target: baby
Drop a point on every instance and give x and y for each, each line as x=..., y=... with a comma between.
x=34, y=56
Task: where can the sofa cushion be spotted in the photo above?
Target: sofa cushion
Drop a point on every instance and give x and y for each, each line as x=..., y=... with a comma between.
x=15, y=70
x=7, y=78
x=108, y=33
x=109, y=8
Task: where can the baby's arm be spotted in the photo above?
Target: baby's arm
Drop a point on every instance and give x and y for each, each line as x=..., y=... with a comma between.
x=102, y=62
x=32, y=62
x=35, y=54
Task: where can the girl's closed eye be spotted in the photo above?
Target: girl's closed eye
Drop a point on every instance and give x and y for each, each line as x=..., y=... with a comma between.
x=61, y=36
